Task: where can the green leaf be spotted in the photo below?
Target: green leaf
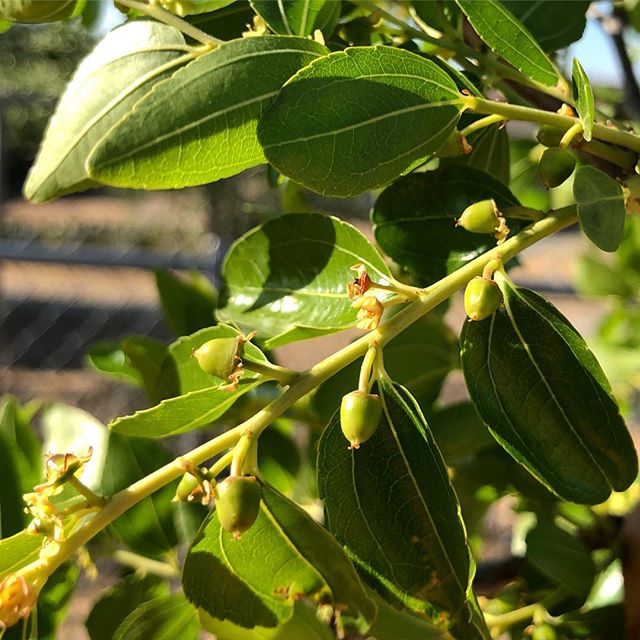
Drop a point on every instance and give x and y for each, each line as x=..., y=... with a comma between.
x=562, y=558
x=194, y=7
x=279, y=458
x=439, y=14
x=419, y=358
x=594, y=277
x=188, y=301
x=391, y=624
x=490, y=153
x=169, y=616
x=302, y=625
x=419, y=558
x=555, y=24
x=415, y=218
x=146, y=356
x=297, y=557
x=70, y=430
x=601, y=210
x=148, y=527
x=546, y=400
x=18, y=551
x=356, y=119
x=22, y=463
x=199, y=125
x=583, y=96
x=110, y=359
x=181, y=414
x=509, y=38
x=119, y=601
x=289, y=17
x=601, y=623
x=121, y=69
x=287, y=279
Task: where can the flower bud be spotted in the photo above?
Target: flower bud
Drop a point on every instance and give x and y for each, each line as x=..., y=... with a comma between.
x=370, y=311
x=555, y=166
x=17, y=598
x=481, y=298
x=238, y=503
x=360, y=414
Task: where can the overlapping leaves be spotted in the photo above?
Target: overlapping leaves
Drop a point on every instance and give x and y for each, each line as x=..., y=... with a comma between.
x=419, y=558
x=546, y=400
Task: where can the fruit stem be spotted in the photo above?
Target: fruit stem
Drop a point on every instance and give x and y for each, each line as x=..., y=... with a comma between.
x=240, y=452
x=283, y=375
x=172, y=20
x=93, y=499
x=570, y=134
x=481, y=124
x=490, y=268
x=365, y=381
x=220, y=465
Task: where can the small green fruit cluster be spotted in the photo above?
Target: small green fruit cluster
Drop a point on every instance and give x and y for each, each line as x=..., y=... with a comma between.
x=481, y=298
x=555, y=166
x=238, y=503
x=360, y=414
x=36, y=11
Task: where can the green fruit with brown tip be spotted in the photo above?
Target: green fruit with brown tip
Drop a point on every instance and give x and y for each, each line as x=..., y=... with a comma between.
x=220, y=357
x=360, y=414
x=480, y=217
x=455, y=145
x=555, y=166
x=238, y=503
x=481, y=298
x=35, y=11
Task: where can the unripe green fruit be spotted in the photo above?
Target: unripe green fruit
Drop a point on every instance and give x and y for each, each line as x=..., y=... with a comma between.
x=544, y=632
x=481, y=298
x=34, y=11
x=220, y=357
x=549, y=135
x=555, y=166
x=238, y=503
x=360, y=414
x=479, y=217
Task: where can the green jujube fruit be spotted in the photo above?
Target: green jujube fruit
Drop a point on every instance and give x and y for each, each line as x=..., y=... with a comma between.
x=238, y=503
x=555, y=166
x=360, y=414
x=35, y=11
x=481, y=298
x=480, y=217
x=549, y=135
x=220, y=357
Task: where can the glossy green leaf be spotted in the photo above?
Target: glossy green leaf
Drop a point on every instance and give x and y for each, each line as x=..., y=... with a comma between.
x=562, y=558
x=583, y=96
x=439, y=14
x=419, y=558
x=119, y=601
x=279, y=458
x=110, y=359
x=199, y=125
x=181, y=414
x=146, y=528
x=70, y=430
x=601, y=210
x=600, y=623
x=545, y=398
x=289, y=17
x=509, y=38
x=415, y=218
x=22, y=463
x=356, y=119
x=255, y=581
x=227, y=23
x=302, y=625
x=287, y=279
x=420, y=358
x=120, y=70
x=490, y=153
x=555, y=24
x=188, y=301
x=169, y=616
x=180, y=372
x=194, y=7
